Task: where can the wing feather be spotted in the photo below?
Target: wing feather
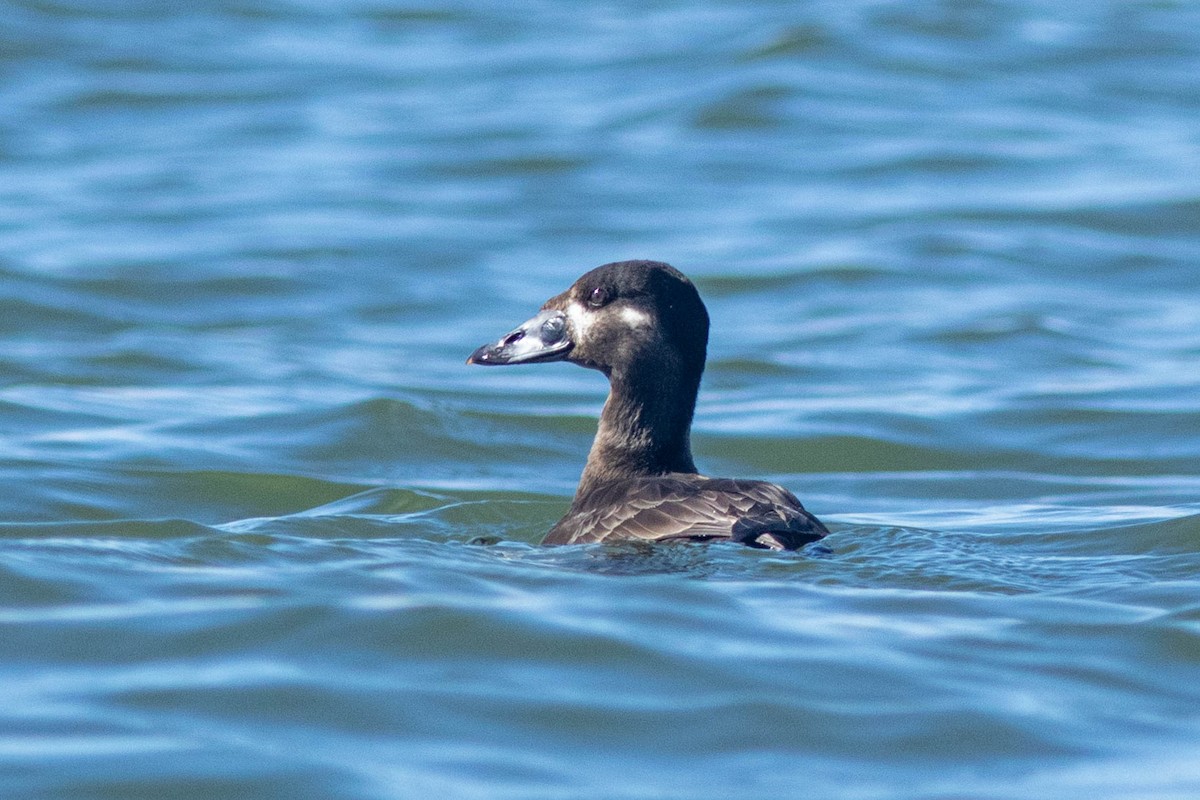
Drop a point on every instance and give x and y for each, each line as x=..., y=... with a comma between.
x=668, y=507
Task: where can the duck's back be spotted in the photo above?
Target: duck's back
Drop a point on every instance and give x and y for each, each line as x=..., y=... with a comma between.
x=687, y=506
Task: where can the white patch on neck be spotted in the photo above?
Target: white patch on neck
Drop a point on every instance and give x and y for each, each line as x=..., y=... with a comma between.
x=635, y=317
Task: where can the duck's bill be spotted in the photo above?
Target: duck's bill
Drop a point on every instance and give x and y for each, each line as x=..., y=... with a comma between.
x=543, y=338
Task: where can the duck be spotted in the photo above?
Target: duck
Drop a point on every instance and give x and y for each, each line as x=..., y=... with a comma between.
x=643, y=325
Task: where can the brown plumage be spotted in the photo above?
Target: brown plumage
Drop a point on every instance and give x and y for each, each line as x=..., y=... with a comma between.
x=643, y=324
x=680, y=506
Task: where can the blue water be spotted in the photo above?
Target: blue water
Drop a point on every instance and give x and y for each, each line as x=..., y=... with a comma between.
x=264, y=535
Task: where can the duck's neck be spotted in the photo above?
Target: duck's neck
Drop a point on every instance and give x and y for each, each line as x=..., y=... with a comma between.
x=644, y=427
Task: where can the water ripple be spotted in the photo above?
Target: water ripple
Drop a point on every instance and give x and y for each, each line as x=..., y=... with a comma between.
x=263, y=534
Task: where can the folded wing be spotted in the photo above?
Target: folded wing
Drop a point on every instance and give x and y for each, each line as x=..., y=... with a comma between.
x=663, y=508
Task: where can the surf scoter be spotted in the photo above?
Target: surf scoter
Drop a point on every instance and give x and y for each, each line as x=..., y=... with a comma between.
x=643, y=325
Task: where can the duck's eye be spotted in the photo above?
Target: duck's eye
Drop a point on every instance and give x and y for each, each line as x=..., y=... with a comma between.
x=598, y=297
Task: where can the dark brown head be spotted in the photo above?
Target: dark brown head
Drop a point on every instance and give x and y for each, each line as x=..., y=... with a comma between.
x=626, y=318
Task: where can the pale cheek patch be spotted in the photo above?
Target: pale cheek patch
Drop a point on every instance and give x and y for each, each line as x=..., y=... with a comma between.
x=635, y=317
x=581, y=319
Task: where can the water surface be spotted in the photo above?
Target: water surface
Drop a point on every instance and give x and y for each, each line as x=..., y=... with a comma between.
x=248, y=486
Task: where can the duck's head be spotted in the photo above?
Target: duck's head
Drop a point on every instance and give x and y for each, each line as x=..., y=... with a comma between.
x=617, y=318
